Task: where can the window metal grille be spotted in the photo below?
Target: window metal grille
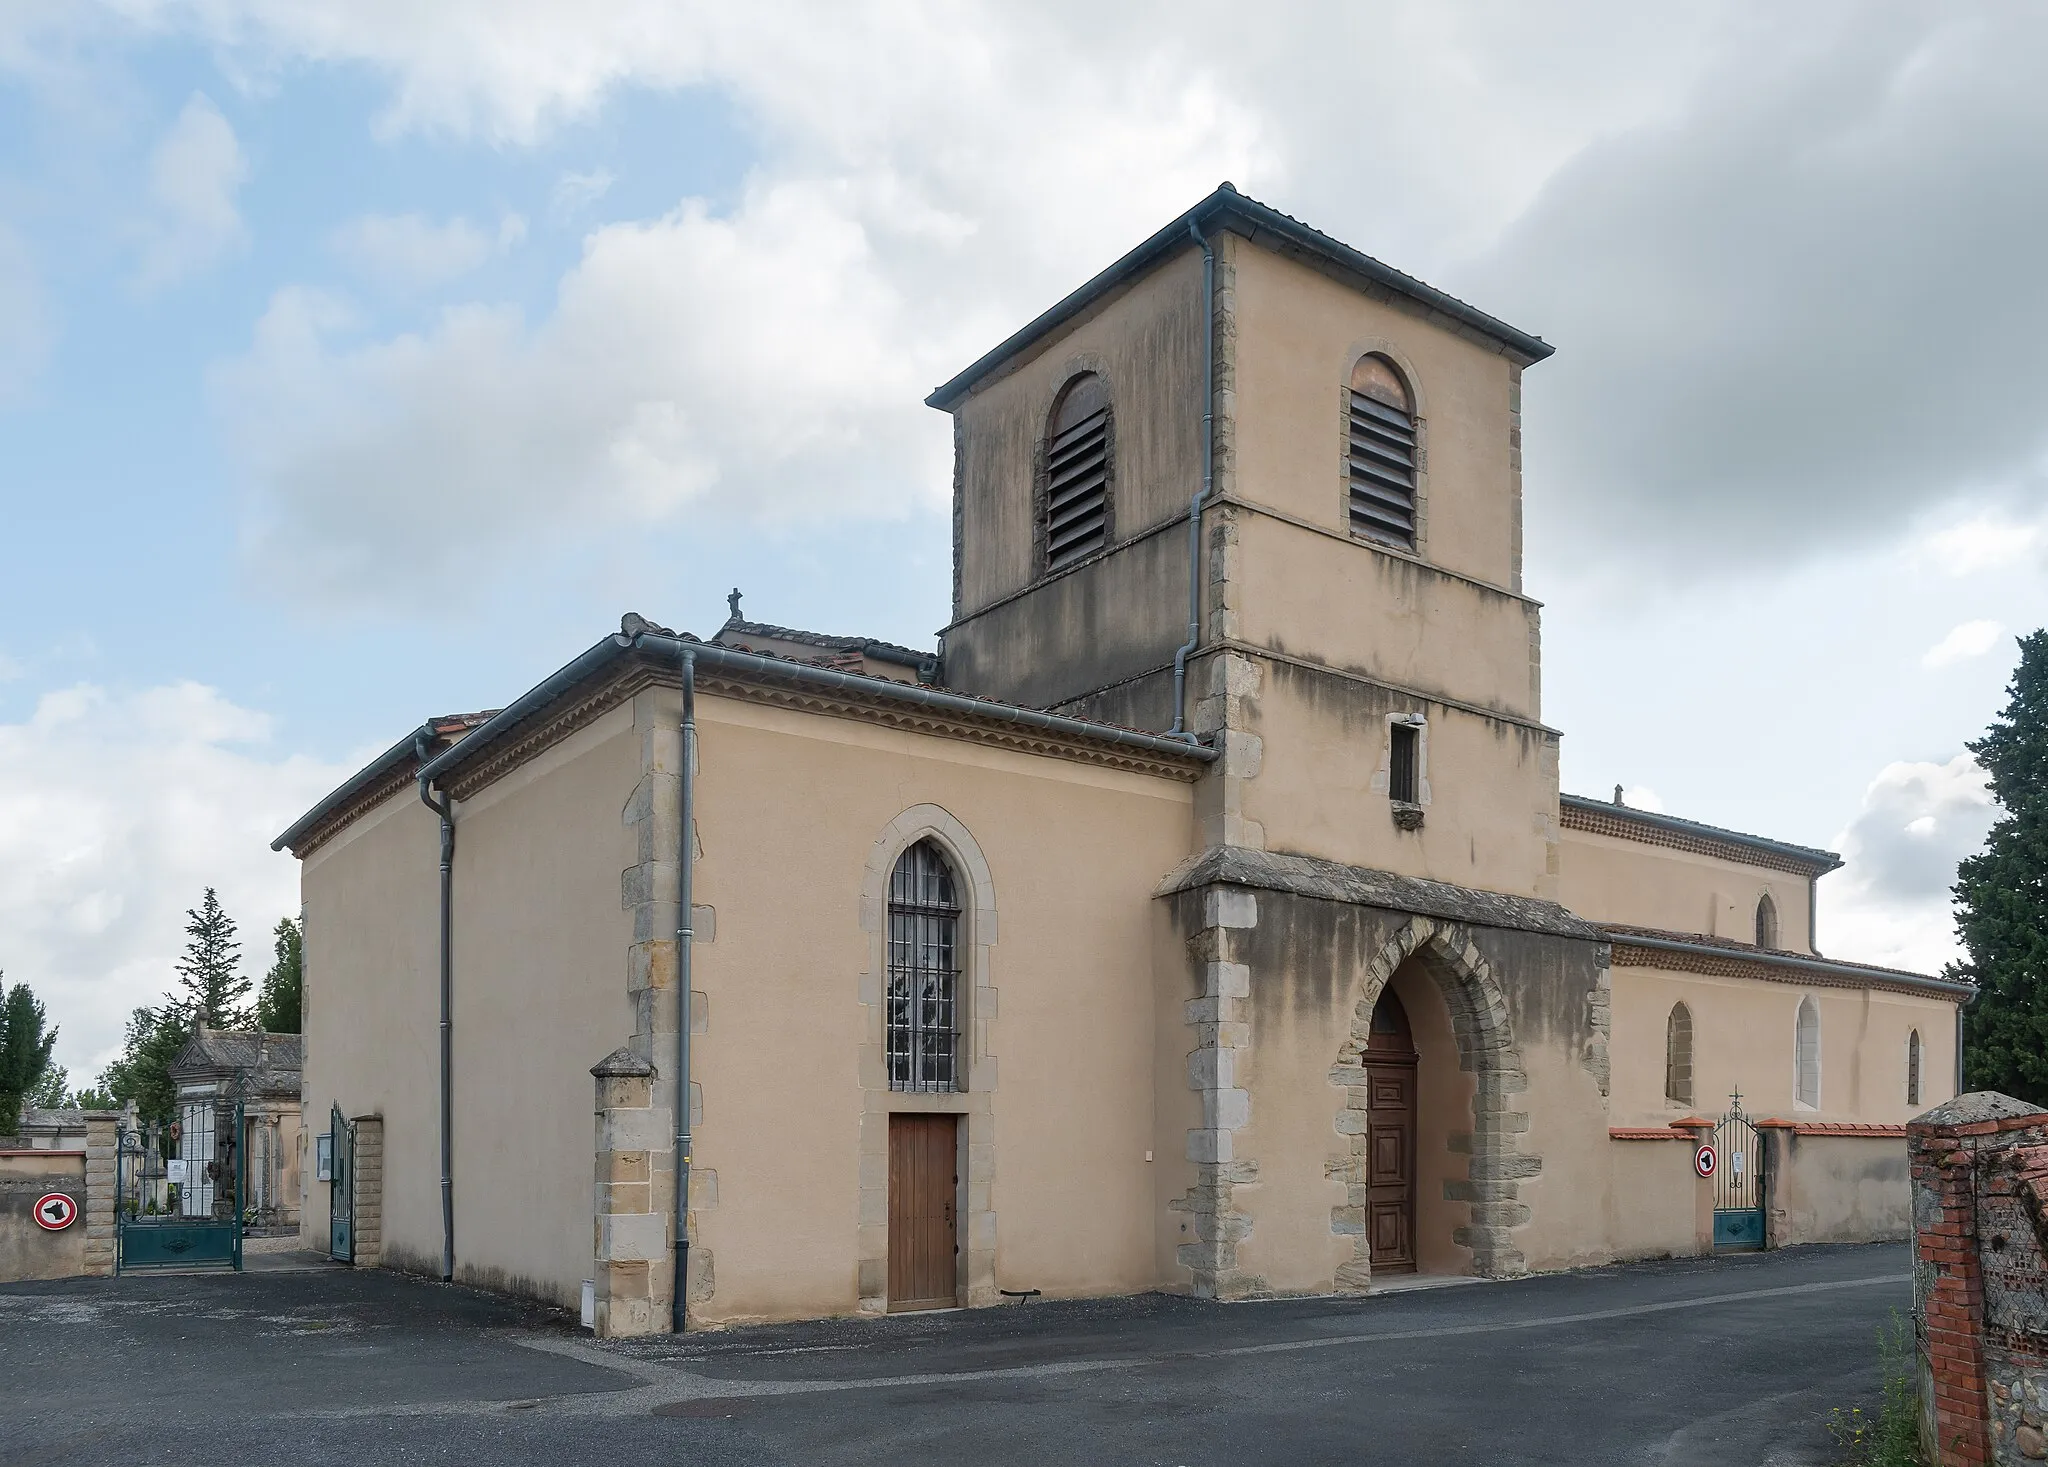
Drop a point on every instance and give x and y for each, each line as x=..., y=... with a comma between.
x=1678, y=1056
x=1402, y=761
x=196, y=1149
x=1383, y=454
x=1077, y=475
x=924, y=973
x=1807, y=1035
x=1913, y=1068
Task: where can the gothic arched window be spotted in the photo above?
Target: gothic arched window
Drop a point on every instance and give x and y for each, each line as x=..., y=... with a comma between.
x=1382, y=453
x=1806, y=1047
x=1074, y=521
x=1678, y=1056
x=1766, y=921
x=923, y=1041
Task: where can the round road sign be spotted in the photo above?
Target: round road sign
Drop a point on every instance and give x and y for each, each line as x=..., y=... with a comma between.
x=55, y=1211
x=1704, y=1160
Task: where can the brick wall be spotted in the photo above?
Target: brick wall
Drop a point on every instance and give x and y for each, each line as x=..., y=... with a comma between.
x=1980, y=1218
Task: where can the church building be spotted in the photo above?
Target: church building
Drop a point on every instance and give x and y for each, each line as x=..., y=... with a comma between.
x=1200, y=914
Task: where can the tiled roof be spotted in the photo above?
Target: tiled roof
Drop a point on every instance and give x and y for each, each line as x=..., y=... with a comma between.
x=1604, y=817
x=233, y=1049
x=870, y=646
x=1653, y=947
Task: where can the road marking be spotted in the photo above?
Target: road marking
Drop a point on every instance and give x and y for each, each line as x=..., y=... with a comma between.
x=667, y=1385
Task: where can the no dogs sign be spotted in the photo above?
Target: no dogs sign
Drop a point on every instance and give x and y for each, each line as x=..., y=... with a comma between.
x=55, y=1211
x=1704, y=1160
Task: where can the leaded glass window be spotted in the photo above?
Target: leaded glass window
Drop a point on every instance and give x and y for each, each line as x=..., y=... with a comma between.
x=924, y=972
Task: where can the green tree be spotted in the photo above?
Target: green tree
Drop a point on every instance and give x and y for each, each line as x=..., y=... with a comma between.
x=2002, y=896
x=143, y=1072
x=24, y=1051
x=53, y=1091
x=277, y=1005
x=210, y=974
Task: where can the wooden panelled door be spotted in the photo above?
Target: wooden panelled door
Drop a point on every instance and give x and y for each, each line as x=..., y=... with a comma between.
x=924, y=1180
x=1390, y=1138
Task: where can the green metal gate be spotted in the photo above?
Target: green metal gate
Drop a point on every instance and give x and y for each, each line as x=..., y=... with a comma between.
x=1739, y=1182
x=201, y=1227
x=341, y=1190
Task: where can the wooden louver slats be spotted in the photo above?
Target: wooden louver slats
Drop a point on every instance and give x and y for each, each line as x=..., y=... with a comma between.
x=1077, y=491
x=1382, y=471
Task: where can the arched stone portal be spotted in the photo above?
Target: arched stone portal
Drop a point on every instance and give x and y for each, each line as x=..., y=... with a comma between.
x=1496, y=1164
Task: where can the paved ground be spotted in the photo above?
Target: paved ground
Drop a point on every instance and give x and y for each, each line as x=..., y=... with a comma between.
x=1727, y=1362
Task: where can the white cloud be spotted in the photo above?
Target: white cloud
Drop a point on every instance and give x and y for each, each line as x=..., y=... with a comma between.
x=575, y=192
x=1642, y=797
x=1890, y=904
x=1970, y=639
x=116, y=812
x=195, y=173
x=409, y=252
x=1988, y=541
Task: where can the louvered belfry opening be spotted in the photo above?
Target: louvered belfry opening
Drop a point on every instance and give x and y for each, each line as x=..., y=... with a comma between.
x=1077, y=473
x=923, y=1042
x=1383, y=454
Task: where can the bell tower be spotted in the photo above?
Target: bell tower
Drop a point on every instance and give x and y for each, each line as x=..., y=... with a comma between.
x=1366, y=661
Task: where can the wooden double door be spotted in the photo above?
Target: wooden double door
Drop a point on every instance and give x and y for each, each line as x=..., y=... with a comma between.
x=1390, y=1063
x=924, y=1235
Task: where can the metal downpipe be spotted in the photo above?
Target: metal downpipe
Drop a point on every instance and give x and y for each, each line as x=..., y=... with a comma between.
x=445, y=808
x=686, y=858
x=1182, y=654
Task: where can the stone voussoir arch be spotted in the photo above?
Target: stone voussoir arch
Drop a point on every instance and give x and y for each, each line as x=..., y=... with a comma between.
x=1486, y=1047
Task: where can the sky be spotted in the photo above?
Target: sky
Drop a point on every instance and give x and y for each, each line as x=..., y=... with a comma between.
x=364, y=361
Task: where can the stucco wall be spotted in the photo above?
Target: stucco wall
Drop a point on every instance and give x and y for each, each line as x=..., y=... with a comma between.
x=1743, y=1035
x=1604, y=879
x=541, y=939
x=28, y=1250
x=1838, y=1189
x=790, y=809
x=1299, y=332
x=371, y=1012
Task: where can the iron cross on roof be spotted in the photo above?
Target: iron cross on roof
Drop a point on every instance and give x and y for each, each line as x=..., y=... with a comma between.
x=733, y=601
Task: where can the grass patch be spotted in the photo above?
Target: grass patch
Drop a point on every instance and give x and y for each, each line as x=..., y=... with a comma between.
x=1891, y=1437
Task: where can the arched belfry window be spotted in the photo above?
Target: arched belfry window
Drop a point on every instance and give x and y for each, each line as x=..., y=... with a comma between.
x=1383, y=454
x=924, y=972
x=1678, y=1056
x=1806, y=1049
x=1074, y=521
x=1913, y=1068
x=1766, y=921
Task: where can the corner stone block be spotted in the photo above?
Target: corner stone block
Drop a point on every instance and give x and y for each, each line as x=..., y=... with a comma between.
x=1230, y=906
x=633, y=1237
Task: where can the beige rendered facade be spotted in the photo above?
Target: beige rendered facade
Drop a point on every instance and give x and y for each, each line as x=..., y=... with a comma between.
x=1092, y=951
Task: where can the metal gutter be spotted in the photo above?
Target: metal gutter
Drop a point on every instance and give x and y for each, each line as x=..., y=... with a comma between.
x=1225, y=206
x=1183, y=653
x=1812, y=855
x=669, y=645
x=445, y=808
x=1833, y=967
x=686, y=863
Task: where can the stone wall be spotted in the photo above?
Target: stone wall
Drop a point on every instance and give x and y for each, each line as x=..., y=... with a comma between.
x=1980, y=1216
x=367, y=1186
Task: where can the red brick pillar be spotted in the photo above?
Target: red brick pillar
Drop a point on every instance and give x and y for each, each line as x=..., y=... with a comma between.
x=1956, y=1150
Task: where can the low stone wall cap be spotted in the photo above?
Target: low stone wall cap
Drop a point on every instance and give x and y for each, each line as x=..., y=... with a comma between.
x=620, y=1062
x=1976, y=1108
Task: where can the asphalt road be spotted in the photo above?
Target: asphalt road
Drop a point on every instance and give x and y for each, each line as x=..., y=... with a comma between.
x=1725, y=1361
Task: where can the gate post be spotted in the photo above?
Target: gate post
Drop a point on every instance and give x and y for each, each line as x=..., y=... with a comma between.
x=629, y=1238
x=102, y=1195
x=367, y=1180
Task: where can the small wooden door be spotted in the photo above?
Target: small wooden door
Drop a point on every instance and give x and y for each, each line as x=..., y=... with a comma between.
x=1390, y=1139
x=924, y=1180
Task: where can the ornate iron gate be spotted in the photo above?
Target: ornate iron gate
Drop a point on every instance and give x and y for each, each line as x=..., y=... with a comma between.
x=1739, y=1182
x=341, y=1189
x=202, y=1226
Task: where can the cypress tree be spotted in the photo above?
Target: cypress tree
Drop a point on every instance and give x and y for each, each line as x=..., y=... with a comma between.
x=210, y=972
x=277, y=1006
x=2002, y=896
x=24, y=1051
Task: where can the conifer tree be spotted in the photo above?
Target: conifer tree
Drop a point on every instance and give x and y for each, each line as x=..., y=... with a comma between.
x=2002, y=896
x=24, y=1051
x=210, y=973
x=143, y=1072
x=277, y=1006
